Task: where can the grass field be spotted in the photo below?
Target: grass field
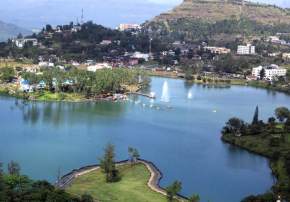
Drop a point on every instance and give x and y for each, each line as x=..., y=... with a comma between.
x=13, y=63
x=133, y=186
x=49, y=96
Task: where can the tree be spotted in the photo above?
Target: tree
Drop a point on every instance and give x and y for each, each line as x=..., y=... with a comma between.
x=234, y=126
x=19, y=36
x=87, y=198
x=194, y=198
x=288, y=75
x=282, y=113
x=272, y=123
x=188, y=74
x=2, y=185
x=7, y=74
x=48, y=28
x=108, y=164
x=134, y=154
x=256, y=117
x=13, y=168
x=287, y=125
x=173, y=190
x=262, y=74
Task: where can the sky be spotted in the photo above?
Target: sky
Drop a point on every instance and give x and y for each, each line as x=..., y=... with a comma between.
x=32, y=14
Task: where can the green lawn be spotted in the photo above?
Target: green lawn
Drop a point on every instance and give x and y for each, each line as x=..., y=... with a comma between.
x=133, y=186
x=49, y=96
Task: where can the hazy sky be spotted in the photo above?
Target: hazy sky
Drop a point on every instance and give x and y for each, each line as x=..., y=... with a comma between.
x=36, y=13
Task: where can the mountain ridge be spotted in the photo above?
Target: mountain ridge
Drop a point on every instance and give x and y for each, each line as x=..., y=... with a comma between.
x=8, y=30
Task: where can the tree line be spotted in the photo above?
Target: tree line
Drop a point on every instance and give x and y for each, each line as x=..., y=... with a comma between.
x=15, y=187
x=86, y=82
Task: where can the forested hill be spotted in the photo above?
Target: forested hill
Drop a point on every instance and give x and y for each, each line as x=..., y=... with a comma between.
x=10, y=30
x=193, y=18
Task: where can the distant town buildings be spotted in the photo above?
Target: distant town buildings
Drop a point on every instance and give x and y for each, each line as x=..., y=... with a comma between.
x=286, y=56
x=106, y=42
x=125, y=27
x=21, y=42
x=139, y=55
x=98, y=66
x=45, y=64
x=217, y=50
x=276, y=40
x=31, y=69
x=246, y=50
x=270, y=72
x=276, y=54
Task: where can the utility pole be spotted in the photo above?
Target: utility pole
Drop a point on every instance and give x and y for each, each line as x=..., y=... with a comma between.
x=150, y=47
x=82, y=17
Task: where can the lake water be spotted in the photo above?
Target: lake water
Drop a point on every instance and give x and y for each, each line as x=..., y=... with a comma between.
x=182, y=137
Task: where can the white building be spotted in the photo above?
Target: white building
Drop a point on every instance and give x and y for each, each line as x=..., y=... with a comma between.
x=276, y=39
x=46, y=64
x=98, y=66
x=139, y=55
x=21, y=42
x=217, y=50
x=246, y=50
x=286, y=56
x=106, y=42
x=271, y=72
x=31, y=69
x=125, y=27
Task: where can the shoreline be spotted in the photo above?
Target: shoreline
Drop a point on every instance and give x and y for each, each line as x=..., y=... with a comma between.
x=79, y=98
x=233, y=82
x=68, y=97
x=153, y=183
x=252, y=151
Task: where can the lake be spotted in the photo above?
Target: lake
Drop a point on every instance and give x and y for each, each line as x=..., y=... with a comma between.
x=182, y=136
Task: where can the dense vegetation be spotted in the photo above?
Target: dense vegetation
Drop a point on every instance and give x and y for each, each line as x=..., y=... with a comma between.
x=271, y=139
x=15, y=187
x=82, y=44
x=85, y=82
x=199, y=30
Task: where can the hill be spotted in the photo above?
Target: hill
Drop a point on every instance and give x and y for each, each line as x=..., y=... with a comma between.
x=207, y=18
x=10, y=30
x=217, y=10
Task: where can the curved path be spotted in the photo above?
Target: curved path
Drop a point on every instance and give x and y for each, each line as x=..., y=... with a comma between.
x=153, y=182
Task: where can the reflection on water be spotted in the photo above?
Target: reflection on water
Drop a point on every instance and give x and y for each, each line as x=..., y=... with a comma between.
x=237, y=161
x=57, y=113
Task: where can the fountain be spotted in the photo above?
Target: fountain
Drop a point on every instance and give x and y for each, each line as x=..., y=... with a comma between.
x=165, y=92
x=189, y=95
x=152, y=95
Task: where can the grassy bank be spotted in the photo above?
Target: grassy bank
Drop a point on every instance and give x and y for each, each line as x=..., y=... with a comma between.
x=132, y=187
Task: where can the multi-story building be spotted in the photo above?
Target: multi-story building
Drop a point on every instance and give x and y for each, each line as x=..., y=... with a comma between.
x=21, y=42
x=124, y=27
x=217, y=50
x=98, y=66
x=271, y=72
x=246, y=50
